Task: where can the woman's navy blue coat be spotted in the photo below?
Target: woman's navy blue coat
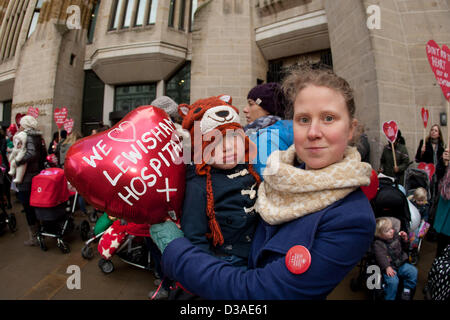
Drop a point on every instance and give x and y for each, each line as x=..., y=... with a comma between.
x=337, y=238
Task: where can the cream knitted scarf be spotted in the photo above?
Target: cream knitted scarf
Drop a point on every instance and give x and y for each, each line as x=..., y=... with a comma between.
x=292, y=192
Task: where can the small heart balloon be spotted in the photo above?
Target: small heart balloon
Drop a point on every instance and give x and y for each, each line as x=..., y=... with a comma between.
x=134, y=170
x=425, y=117
x=390, y=129
x=429, y=168
x=68, y=125
x=439, y=60
x=60, y=116
x=34, y=112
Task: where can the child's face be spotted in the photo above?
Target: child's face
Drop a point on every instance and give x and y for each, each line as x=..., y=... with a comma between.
x=421, y=201
x=388, y=233
x=229, y=153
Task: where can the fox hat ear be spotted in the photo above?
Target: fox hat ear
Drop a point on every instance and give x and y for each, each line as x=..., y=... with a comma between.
x=225, y=97
x=183, y=109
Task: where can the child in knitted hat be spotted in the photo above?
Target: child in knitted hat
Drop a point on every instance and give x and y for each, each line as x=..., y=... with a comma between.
x=218, y=211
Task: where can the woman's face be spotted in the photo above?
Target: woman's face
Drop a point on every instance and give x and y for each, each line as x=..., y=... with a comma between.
x=253, y=111
x=322, y=126
x=434, y=132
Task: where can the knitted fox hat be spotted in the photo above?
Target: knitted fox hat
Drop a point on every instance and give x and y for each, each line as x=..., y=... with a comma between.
x=207, y=120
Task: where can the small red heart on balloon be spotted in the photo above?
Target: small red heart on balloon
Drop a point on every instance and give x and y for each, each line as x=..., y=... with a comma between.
x=134, y=170
x=60, y=116
x=425, y=117
x=390, y=129
x=428, y=168
x=68, y=125
x=439, y=60
x=34, y=112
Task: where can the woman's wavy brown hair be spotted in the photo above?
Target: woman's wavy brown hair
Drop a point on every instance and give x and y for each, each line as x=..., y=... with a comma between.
x=302, y=76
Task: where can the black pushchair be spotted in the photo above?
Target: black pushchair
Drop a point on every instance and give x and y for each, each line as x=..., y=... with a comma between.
x=389, y=201
x=50, y=197
x=416, y=178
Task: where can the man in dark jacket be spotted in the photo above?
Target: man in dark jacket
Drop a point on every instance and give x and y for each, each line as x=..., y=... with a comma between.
x=34, y=159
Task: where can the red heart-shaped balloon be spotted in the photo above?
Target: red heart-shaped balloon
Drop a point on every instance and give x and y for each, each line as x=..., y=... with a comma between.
x=68, y=125
x=428, y=168
x=390, y=129
x=34, y=112
x=425, y=117
x=134, y=170
x=439, y=60
x=60, y=116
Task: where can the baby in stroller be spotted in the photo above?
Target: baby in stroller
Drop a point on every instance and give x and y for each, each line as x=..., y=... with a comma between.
x=17, y=154
x=390, y=248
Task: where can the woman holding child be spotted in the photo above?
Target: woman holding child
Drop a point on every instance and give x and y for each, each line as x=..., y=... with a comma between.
x=311, y=207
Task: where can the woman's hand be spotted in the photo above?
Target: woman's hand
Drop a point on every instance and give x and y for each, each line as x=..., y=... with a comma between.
x=163, y=233
x=390, y=272
x=423, y=149
x=396, y=169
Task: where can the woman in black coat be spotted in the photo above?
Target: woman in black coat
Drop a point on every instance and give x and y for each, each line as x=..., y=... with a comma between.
x=432, y=152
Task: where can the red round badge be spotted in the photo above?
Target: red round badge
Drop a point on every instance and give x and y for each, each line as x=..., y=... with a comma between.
x=298, y=259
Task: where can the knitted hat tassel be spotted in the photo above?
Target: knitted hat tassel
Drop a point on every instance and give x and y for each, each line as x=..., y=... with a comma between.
x=215, y=233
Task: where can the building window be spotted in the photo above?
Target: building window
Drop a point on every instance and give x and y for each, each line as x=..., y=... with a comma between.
x=35, y=18
x=93, y=21
x=178, y=87
x=152, y=16
x=181, y=15
x=194, y=4
x=140, y=15
x=7, y=111
x=129, y=97
x=133, y=13
x=172, y=13
x=128, y=13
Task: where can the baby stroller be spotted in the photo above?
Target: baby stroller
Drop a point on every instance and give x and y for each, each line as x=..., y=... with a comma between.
x=416, y=178
x=127, y=241
x=50, y=198
x=389, y=201
x=102, y=224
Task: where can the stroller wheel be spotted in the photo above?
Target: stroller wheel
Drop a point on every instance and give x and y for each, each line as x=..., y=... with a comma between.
x=106, y=266
x=41, y=242
x=63, y=246
x=84, y=230
x=87, y=252
x=12, y=223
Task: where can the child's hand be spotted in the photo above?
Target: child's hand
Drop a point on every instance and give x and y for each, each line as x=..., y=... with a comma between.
x=403, y=235
x=390, y=272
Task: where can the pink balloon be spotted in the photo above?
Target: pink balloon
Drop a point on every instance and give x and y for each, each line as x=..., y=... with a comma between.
x=132, y=171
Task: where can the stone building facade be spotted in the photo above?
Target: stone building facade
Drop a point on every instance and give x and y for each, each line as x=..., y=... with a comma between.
x=105, y=56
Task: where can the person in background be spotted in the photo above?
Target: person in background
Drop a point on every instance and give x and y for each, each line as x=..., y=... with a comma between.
x=387, y=165
x=265, y=110
x=33, y=157
x=442, y=216
x=315, y=208
x=362, y=143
